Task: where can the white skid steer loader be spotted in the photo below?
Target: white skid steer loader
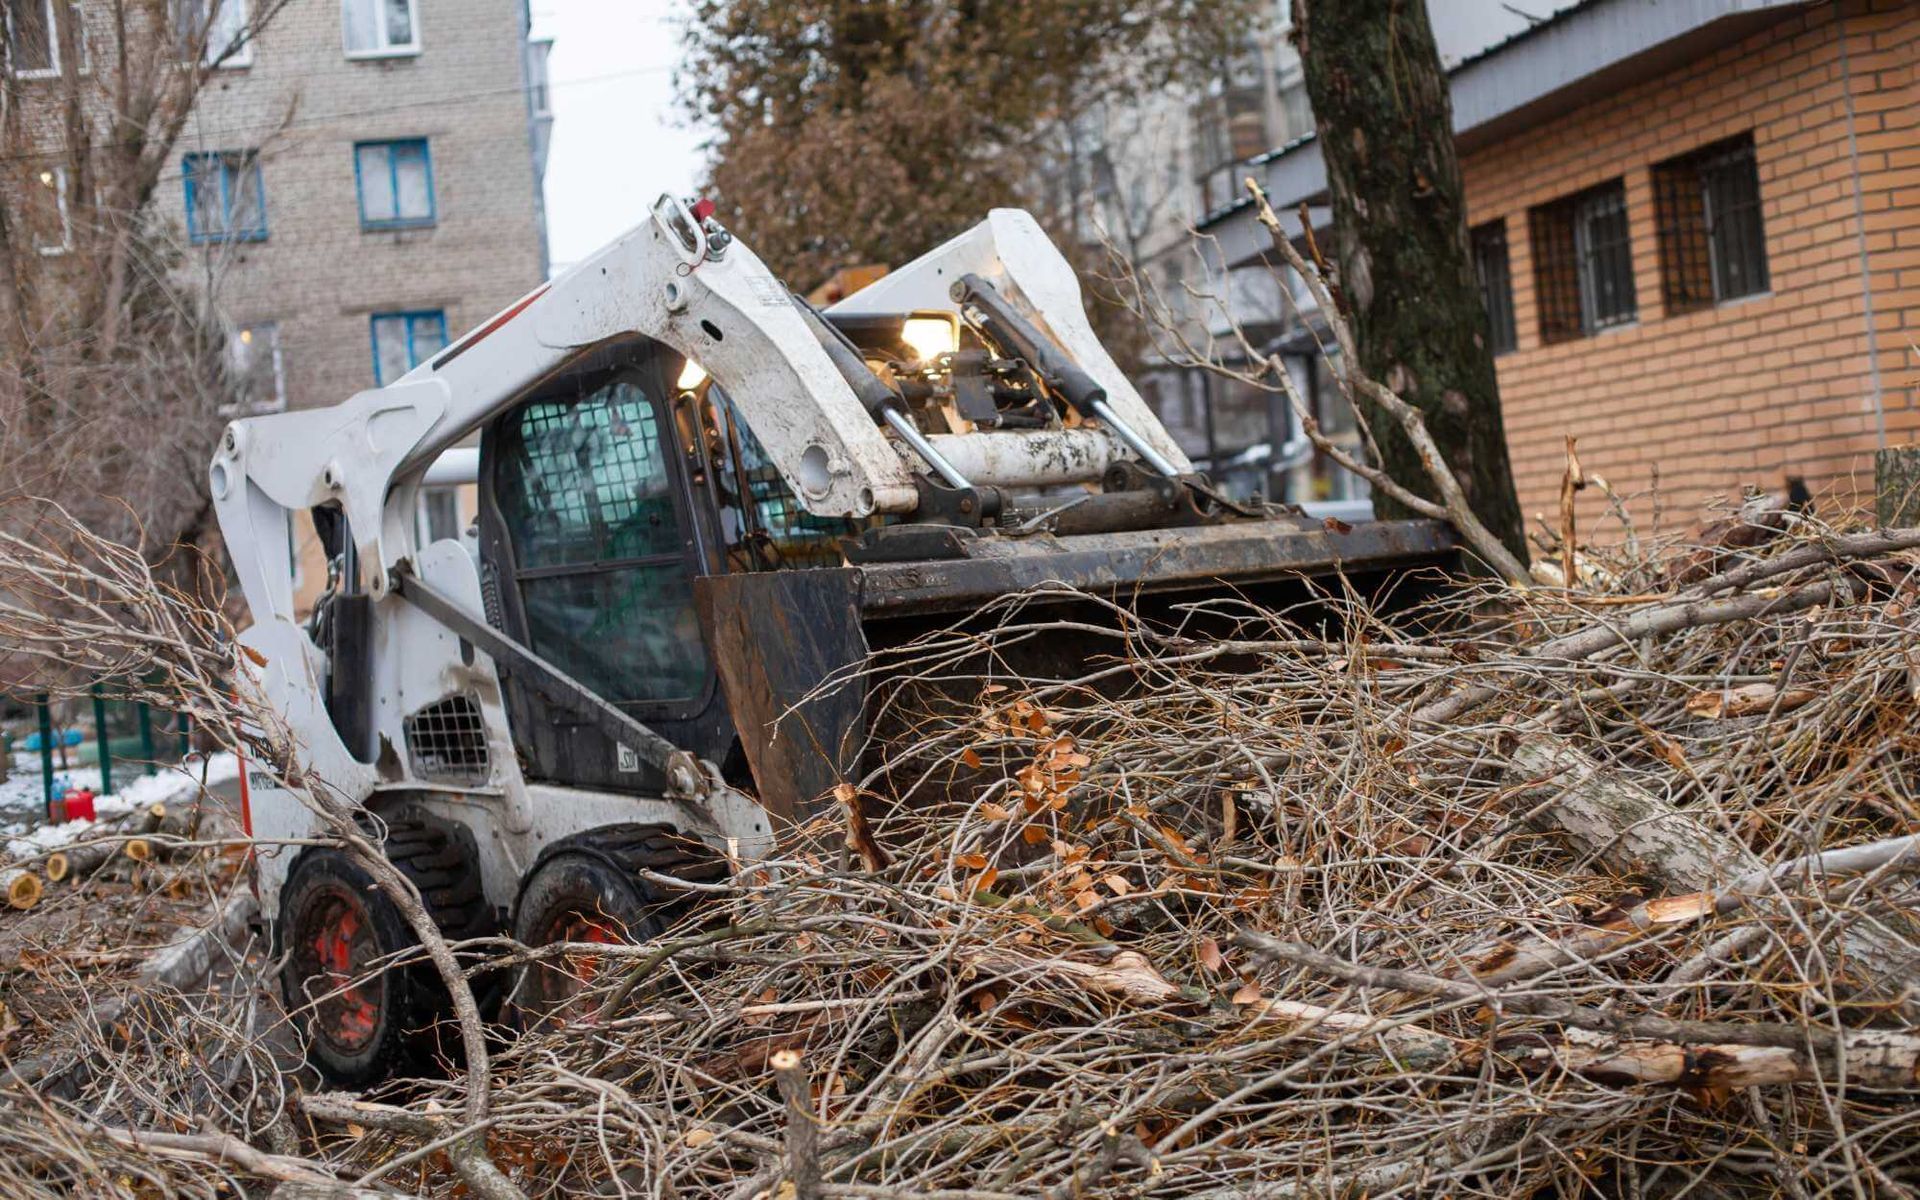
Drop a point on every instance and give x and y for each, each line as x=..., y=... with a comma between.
x=699, y=498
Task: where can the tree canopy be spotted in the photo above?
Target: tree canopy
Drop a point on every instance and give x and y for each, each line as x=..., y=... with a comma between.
x=852, y=131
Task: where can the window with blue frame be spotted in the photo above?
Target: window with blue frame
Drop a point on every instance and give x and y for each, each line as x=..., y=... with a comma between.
x=396, y=184
x=226, y=200
x=404, y=340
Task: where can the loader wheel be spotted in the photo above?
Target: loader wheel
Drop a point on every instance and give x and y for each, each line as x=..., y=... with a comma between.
x=587, y=888
x=335, y=920
x=334, y=923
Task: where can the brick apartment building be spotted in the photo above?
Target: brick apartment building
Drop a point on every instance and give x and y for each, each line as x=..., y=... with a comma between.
x=1697, y=227
x=365, y=183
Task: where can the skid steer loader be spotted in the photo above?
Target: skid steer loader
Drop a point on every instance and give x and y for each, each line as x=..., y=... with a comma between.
x=699, y=497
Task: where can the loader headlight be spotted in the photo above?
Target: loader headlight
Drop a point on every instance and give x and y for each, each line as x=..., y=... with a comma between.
x=691, y=376
x=930, y=335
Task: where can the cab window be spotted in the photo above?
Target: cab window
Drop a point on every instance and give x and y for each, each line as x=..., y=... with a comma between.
x=586, y=494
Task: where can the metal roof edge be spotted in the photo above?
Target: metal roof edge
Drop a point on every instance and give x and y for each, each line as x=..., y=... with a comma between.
x=1501, y=81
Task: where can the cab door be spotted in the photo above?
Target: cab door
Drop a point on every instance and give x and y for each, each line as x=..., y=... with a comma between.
x=589, y=549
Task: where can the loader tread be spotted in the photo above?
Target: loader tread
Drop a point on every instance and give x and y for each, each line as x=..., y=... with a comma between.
x=439, y=858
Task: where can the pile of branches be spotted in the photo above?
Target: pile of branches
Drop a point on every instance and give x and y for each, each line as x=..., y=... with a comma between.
x=1513, y=892
x=1501, y=891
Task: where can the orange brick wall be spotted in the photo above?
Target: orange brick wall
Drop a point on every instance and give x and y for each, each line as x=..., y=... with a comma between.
x=1759, y=387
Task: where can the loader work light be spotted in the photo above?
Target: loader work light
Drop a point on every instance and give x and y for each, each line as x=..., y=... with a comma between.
x=931, y=334
x=691, y=376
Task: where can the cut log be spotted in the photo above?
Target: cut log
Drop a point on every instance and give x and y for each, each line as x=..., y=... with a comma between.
x=78, y=863
x=1630, y=830
x=1873, y=1059
x=23, y=888
x=1625, y=827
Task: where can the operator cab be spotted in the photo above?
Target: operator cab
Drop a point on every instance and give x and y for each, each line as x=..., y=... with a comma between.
x=604, y=493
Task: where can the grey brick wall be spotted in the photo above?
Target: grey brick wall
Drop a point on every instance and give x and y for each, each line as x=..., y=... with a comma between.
x=302, y=103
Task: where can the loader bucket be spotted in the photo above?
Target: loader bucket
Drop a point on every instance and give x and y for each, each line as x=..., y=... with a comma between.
x=791, y=644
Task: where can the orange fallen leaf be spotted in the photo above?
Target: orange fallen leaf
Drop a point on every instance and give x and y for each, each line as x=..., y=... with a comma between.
x=1249, y=993
x=970, y=758
x=993, y=812
x=1210, y=956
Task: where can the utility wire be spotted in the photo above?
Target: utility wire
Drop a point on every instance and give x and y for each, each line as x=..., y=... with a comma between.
x=376, y=110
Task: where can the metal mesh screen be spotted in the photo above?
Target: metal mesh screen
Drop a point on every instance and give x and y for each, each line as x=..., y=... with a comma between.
x=587, y=482
x=1713, y=243
x=1583, y=263
x=447, y=741
x=1556, y=274
x=1496, y=283
x=767, y=525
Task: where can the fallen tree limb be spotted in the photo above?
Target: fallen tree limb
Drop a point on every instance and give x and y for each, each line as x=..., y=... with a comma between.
x=223, y=1148
x=1647, y=623
x=1622, y=825
x=1544, y=1008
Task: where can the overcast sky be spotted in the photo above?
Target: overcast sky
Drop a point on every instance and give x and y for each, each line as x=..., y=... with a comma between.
x=617, y=142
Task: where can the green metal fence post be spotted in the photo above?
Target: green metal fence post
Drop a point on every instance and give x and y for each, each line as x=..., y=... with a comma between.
x=45, y=703
x=106, y=747
x=146, y=735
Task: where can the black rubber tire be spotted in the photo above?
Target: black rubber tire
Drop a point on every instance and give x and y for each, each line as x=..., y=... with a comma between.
x=438, y=857
x=588, y=888
x=325, y=890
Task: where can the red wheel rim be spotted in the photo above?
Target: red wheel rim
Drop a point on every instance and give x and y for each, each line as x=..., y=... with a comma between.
x=559, y=982
x=333, y=949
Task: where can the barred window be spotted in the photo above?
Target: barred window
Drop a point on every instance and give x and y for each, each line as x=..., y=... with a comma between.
x=1583, y=263
x=1496, y=283
x=1713, y=245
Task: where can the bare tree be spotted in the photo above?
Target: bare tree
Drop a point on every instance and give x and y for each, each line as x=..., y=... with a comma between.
x=114, y=375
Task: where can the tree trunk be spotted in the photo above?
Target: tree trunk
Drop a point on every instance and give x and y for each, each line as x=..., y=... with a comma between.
x=1385, y=124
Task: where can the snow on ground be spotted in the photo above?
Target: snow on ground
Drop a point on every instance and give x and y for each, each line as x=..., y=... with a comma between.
x=22, y=811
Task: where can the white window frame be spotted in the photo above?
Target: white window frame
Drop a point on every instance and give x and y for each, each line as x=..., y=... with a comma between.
x=387, y=49
x=423, y=531
x=53, y=39
x=59, y=186
x=279, y=401
x=210, y=53
x=539, y=75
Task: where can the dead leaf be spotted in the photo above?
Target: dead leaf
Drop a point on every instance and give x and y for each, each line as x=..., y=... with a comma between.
x=697, y=1138
x=973, y=862
x=970, y=758
x=1210, y=956
x=254, y=656
x=1118, y=883
x=1249, y=993
x=993, y=812
x=1664, y=746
